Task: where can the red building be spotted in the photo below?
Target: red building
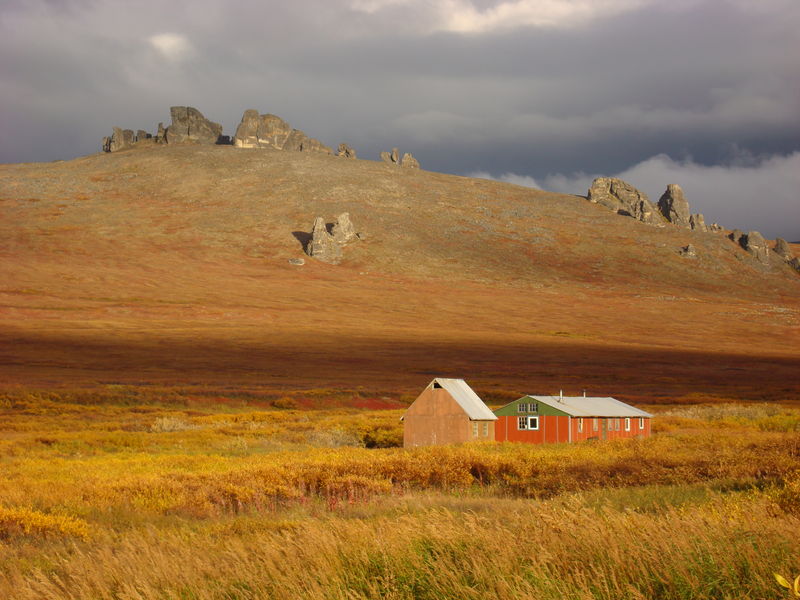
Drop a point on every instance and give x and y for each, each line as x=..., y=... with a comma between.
x=554, y=419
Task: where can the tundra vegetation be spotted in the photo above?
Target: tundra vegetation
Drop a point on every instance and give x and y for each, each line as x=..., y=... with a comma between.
x=120, y=494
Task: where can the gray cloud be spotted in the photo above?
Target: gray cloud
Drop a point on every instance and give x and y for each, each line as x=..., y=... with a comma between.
x=513, y=86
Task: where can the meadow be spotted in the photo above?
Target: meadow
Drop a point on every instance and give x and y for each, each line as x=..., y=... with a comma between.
x=120, y=495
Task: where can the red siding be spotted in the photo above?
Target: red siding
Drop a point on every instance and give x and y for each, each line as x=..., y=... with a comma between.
x=553, y=429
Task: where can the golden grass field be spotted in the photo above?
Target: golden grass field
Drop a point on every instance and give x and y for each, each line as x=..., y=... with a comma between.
x=169, y=499
x=185, y=415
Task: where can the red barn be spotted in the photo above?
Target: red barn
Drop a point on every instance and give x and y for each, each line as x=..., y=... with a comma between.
x=554, y=419
x=448, y=411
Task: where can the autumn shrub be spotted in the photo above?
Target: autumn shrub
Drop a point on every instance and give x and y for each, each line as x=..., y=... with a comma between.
x=16, y=522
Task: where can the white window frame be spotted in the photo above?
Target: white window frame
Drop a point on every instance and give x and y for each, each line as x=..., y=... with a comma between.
x=522, y=407
x=627, y=423
x=485, y=429
x=522, y=423
x=533, y=407
x=641, y=422
x=595, y=424
x=580, y=424
x=531, y=421
x=474, y=429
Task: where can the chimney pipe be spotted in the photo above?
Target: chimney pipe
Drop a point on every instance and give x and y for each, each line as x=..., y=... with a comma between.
x=560, y=395
x=584, y=393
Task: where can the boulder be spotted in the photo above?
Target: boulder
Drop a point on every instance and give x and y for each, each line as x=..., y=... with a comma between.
x=386, y=157
x=190, y=126
x=624, y=199
x=297, y=261
x=106, y=144
x=346, y=151
x=322, y=245
x=697, y=222
x=119, y=140
x=409, y=161
x=674, y=206
x=795, y=264
x=246, y=135
x=270, y=131
x=142, y=135
x=756, y=245
x=782, y=249
x=343, y=230
x=688, y=251
x=161, y=135
x=716, y=228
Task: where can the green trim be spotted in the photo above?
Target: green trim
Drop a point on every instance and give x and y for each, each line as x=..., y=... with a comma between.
x=545, y=410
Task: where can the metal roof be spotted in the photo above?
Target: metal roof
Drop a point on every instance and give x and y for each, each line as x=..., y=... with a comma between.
x=580, y=406
x=467, y=399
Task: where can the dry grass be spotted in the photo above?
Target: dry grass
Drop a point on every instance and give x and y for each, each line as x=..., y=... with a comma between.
x=112, y=500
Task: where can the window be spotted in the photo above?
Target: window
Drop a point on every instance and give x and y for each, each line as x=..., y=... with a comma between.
x=610, y=424
x=641, y=422
x=627, y=423
x=437, y=385
x=533, y=423
x=474, y=429
x=580, y=424
x=485, y=429
x=595, y=424
x=522, y=407
x=616, y=424
x=522, y=423
x=533, y=407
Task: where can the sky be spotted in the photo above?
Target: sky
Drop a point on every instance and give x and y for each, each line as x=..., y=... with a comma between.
x=543, y=93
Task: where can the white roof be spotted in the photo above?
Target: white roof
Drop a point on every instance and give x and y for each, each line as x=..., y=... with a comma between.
x=468, y=400
x=580, y=406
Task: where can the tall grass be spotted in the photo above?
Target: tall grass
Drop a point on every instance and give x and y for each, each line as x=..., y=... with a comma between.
x=118, y=501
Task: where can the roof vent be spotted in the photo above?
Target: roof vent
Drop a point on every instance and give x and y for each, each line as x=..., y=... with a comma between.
x=560, y=395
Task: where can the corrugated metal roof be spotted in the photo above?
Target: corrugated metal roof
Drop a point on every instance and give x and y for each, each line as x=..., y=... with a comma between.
x=468, y=400
x=580, y=406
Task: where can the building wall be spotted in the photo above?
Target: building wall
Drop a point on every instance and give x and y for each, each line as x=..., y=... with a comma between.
x=435, y=418
x=556, y=429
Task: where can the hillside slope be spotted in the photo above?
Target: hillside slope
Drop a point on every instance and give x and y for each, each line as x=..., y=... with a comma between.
x=169, y=264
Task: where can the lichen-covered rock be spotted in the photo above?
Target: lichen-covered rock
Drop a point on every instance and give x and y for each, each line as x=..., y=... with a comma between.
x=756, y=245
x=736, y=237
x=343, y=229
x=142, y=135
x=409, y=161
x=697, y=222
x=674, y=206
x=161, y=134
x=795, y=264
x=624, y=199
x=346, y=151
x=322, y=245
x=386, y=157
x=716, y=228
x=688, y=251
x=190, y=126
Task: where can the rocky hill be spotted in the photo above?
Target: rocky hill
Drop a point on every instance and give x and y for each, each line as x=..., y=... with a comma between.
x=188, y=263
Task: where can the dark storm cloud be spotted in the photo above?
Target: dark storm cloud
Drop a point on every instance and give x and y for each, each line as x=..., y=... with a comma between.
x=536, y=89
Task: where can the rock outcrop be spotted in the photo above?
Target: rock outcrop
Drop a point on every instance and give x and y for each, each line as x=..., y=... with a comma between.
x=674, y=206
x=688, y=251
x=190, y=126
x=346, y=151
x=756, y=245
x=736, y=237
x=697, y=222
x=161, y=135
x=782, y=249
x=393, y=158
x=142, y=135
x=327, y=247
x=624, y=199
x=270, y=131
x=409, y=161
x=322, y=245
x=343, y=230
x=119, y=140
